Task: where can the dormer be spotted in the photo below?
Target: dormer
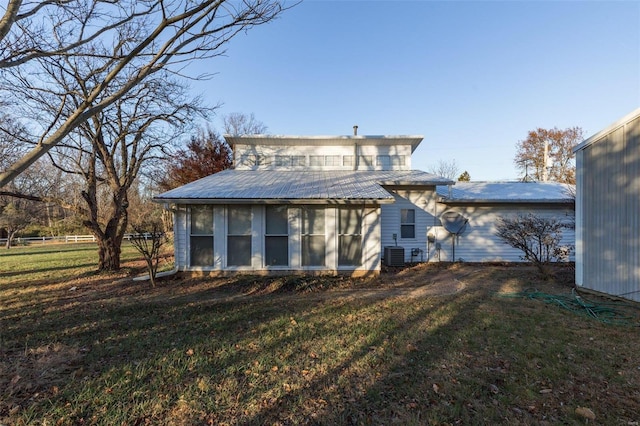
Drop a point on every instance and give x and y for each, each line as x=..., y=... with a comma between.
x=268, y=152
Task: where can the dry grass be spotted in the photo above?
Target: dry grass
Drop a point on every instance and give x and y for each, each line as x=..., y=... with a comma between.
x=430, y=344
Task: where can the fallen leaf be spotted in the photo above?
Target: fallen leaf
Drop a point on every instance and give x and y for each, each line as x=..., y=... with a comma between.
x=546, y=390
x=190, y=352
x=436, y=388
x=586, y=413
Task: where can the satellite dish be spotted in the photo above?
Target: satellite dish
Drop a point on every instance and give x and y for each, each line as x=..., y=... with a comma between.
x=454, y=222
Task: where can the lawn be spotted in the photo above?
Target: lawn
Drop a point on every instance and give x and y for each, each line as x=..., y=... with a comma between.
x=428, y=344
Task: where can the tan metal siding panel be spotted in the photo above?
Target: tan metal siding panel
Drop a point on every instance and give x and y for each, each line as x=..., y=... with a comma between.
x=611, y=188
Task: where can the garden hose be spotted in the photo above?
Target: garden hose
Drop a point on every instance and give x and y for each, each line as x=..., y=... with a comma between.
x=609, y=313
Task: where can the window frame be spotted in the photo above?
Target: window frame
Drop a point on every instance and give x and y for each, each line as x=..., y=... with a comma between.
x=195, y=234
x=236, y=236
x=344, y=235
x=308, y=234
x=276, y=236
x=404, y=223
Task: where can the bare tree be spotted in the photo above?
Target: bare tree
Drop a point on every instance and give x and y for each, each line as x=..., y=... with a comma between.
x=148, y=36
x=148, y=240
x=547, y=154
x=445, y=169
x=13, y=219
x=537, y=237
x=237, y=124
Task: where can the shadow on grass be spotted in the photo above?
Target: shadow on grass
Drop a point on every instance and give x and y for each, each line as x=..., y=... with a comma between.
x=198, y=352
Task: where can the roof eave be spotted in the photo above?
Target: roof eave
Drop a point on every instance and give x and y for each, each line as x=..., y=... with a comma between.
x=610, y=128
x=503, y=201
x=263, y=201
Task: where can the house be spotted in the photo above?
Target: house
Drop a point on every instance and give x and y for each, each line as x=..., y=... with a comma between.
x=342, y=204
x=320, y=204
x=478, y=205
x=607, y=209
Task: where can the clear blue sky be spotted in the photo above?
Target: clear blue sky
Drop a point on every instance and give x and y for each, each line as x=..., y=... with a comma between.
x=471, y=77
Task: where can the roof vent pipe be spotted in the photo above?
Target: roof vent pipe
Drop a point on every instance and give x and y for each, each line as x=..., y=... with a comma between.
x=355, y=130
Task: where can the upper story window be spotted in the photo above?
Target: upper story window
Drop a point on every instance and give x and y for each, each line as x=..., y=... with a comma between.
x=253, y=160
x=316, y=160
x=383, y=160
x=298, y=160
x=283, y=161
x=332, y=160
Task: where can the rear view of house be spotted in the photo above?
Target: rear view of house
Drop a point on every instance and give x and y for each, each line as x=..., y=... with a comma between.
x=326, y=204
x=607, y=209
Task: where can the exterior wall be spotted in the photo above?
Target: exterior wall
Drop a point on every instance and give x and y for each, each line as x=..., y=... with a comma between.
x=478, y=242
x=608, y=207
x=246, y=155
x=370, y=241
x=180, y=233
x=425, y=206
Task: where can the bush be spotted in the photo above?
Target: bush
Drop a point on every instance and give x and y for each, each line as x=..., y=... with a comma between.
x=537, y=237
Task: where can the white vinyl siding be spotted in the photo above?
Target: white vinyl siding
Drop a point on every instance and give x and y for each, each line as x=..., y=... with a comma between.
x=478, y=242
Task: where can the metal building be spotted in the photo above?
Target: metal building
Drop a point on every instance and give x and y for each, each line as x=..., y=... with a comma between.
x=608, y=209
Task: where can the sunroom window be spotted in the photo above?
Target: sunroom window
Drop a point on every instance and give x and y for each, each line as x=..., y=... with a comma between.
x=238, y=236
x=276, y=238
x=350, y=236
x=313, y=236
x=201, y=238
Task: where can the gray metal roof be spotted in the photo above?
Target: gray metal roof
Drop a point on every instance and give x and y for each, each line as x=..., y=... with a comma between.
x=375, y=140
x=507, y=192
x=271, y=186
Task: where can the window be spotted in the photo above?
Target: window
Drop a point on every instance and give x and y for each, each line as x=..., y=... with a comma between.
x=398, y=160
x=316, y=160
x=332, y=160
x=349, y=236
x=201, y=241
x=347, y=161
x=313, y=236
x=283, y=161
x=407, y=223
x=239, y=236
x=276, y=238
x=298, y=160
x=383, y=160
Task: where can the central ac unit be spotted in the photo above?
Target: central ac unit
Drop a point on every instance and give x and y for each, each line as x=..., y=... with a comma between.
x=394, y=256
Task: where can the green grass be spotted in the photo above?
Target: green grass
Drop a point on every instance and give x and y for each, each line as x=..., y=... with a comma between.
x=204, y=351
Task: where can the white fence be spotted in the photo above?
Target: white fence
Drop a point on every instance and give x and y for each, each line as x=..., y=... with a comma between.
x=65, y=239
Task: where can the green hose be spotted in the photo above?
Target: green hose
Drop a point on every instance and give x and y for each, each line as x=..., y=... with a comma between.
x=609, y=313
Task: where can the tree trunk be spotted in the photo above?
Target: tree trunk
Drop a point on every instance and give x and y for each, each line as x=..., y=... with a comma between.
x=109, y=254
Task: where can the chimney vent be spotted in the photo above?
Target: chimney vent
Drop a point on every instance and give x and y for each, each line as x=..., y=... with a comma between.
x=355, y=130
